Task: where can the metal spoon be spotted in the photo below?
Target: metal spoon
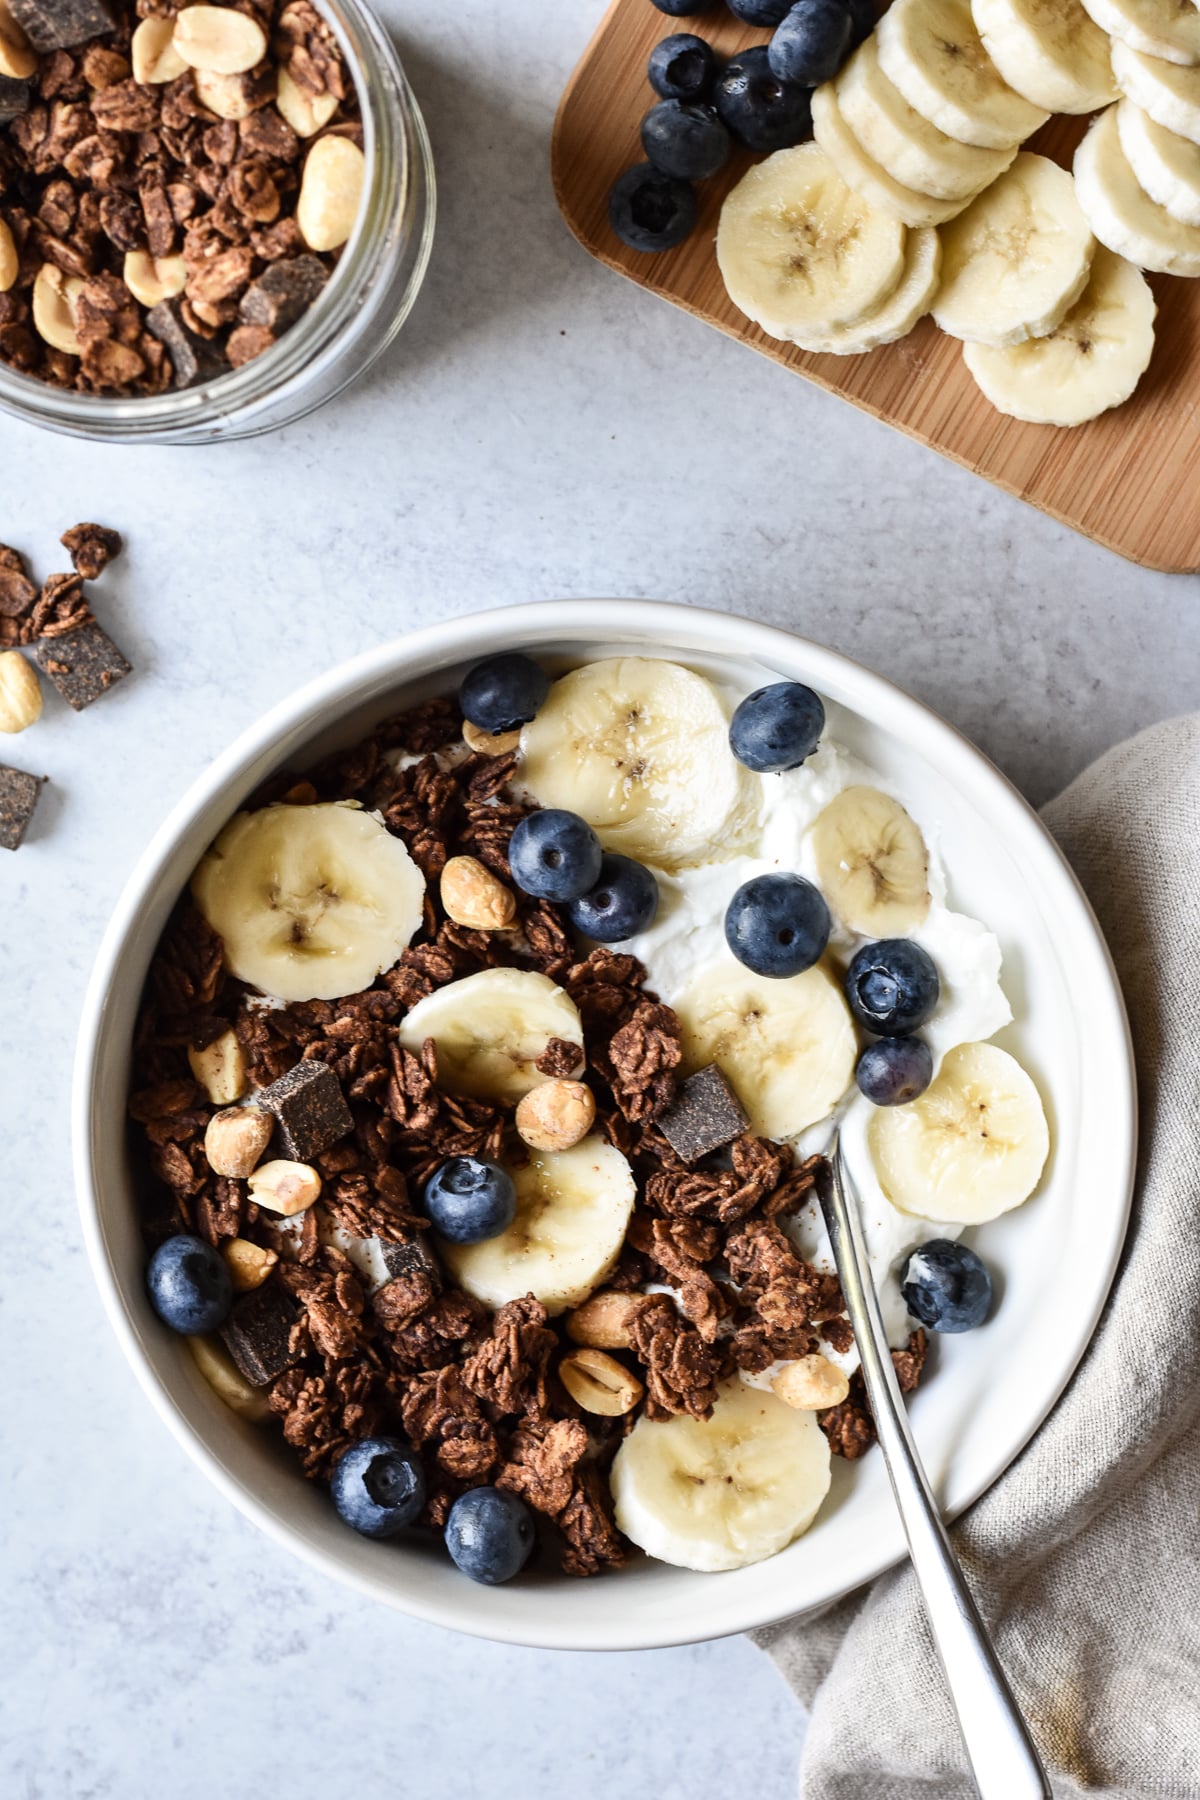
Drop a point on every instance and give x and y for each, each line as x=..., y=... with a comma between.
x=1003, y=1760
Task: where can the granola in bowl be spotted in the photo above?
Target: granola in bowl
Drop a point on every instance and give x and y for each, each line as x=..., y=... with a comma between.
x=483, y=1167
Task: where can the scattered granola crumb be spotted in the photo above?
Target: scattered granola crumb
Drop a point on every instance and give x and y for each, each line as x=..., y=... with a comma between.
x=92, y=548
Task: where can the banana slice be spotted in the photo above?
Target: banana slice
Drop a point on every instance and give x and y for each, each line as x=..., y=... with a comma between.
x=1169, y=29
x=971, y=1147
x=1169, y=93
x=1164, y=165
x=900, y=311
x=1049, y=51
x=227, y=1381
x=311, y=902
x=1090, y=362
x=726, y=1491
x=640, y=747
x=801, y=254
x=573, y=1209
x=931, y=51
x=866, y=176
x=908, y=147
x=1121, y=214
x=787, y=1046
x=1017, y=260
x=872, y=864
x=490, y=1030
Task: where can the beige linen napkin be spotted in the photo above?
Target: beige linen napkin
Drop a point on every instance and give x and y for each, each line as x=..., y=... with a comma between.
x=1085, y=1557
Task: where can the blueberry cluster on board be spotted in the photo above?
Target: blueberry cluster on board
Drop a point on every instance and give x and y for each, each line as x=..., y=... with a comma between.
x=760, y=99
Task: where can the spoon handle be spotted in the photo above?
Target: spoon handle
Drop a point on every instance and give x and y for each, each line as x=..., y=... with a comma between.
x=1003, y=1759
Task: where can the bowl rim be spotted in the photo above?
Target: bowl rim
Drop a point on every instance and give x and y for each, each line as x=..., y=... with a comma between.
x=315, y=707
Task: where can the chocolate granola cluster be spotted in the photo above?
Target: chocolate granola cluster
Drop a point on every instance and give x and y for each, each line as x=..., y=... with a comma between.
x=480, y=1395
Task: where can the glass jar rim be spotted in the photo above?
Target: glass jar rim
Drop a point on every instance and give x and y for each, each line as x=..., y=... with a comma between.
x=301, y=352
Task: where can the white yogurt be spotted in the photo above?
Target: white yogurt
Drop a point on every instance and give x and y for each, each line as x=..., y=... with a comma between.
x=687, y=938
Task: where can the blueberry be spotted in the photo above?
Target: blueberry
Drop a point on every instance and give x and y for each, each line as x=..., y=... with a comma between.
x=813, y=42
x=469, y=1199
x=759, y=12
x=554, y=855
x=763, y=112
x=502, y=693
x=682, y=67
x=777, y=727
x=892, y=986
x=682, y=9
x=490, y=1534
x=946, y=1286
x=895, y=1070
x=189, y=1285
x=623, y=901
x=777, y=925
x=862, y=20
x=685, y=138
x=649, y=210
x=378, y=1486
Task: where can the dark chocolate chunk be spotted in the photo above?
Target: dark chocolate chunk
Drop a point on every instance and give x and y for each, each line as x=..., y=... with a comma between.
x=414, y=1257
x=310, y=1110
x=82, y=664
x=57, y=24
x=258, y=1330
x=193, y=358
x=92, y=548
x=283, y=292
x=18, y=802
x=705, y=1115
x=16, y=98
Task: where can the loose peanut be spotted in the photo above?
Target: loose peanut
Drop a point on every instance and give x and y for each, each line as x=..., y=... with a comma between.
x=20, y=692
x=224, y=95
x=811, y=1383
x=236, y=1139
x=285, y=1187
x=556, y=1115
x=10, y=261
x=330, y=190
x=305, y=113
x=484, y=744
x=54, y=297
x=219, y=40
x=18, y=59
x=151, y=279
x=220, y=1068
x=248, y=1264
x=153, y=53
x=603, y=1321
x=599, y=1383
x=226, y=1379
x=473, y=896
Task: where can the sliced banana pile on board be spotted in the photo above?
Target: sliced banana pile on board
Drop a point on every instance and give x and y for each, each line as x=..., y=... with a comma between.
x=924, y=127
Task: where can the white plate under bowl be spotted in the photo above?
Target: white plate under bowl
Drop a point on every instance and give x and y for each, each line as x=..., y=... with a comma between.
x=986, y=1392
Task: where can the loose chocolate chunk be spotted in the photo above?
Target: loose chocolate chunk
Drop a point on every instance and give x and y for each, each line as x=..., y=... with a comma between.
x=258, y=1330
x=92, y=548
x=57, y=24
x=283, y=293
x=411, y=1258
x=193, y=358
x=310, y=1110
x=18, y=801
x=705, y=1115
x=82, y=664
x=16, y=98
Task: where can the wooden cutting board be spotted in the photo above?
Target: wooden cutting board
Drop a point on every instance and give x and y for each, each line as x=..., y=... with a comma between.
x=1130, y=479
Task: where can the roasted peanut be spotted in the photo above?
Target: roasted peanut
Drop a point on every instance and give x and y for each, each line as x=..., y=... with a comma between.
x=603, y=1321
x=811, y=1383
x=236, y=1139
x=20, y=692
x=556, y=1114
x=599, y=1383
x=220, y=1068
x=285, y=1187
x=473, y=896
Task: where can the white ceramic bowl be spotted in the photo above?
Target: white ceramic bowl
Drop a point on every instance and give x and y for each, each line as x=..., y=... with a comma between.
x=986, y=1393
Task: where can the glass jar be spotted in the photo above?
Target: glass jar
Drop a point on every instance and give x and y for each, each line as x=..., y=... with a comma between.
x=355, y=318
